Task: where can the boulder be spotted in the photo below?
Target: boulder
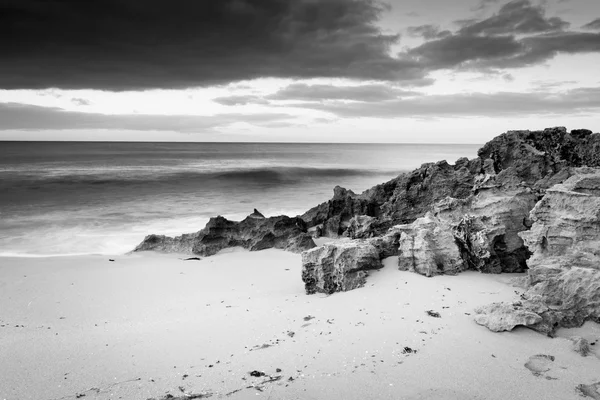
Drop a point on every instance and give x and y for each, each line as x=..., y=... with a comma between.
x=338, y=267
x=254, y=233
x=427, y=246
x=500, y=317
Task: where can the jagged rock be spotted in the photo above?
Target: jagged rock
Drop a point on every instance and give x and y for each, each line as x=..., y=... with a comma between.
x=486, y=229
x=180, y=244
x=565, y=241
x=566, y=224
x=334, y=216
x=360, y=227
x=256, y=214
x=500, y=317
x=427, y=247
x=388, y=244
x=566, y=299
x=254, y=233
x=338, y=267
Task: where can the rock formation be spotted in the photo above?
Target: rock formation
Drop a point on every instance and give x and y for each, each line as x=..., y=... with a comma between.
x=529, y=201
x=254, y=233
x=338, y=267
x=565, y=267
x=427, y=246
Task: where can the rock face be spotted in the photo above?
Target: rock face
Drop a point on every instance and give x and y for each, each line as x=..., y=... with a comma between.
x=338, y=267
x=565, y=267
x=427, y=246
x=254, y=233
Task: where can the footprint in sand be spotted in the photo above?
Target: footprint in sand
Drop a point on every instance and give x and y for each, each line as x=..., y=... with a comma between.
x=592, y=390
x=539, y=364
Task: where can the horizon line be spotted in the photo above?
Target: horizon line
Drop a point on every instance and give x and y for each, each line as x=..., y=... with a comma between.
x=222, y=142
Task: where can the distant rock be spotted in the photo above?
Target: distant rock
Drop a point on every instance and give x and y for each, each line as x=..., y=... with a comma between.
x=338, y=267
x=254, y=233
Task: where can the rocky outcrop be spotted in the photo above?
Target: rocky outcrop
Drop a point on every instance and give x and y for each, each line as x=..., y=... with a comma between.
x=335, y=215
x=497, y=189
x=254, y=233
x=565, y=267
x=180, y=244
x=427, y=246
x=338, y=267
x=523, y=202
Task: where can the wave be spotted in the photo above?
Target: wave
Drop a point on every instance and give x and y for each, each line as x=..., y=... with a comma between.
x=268, y=175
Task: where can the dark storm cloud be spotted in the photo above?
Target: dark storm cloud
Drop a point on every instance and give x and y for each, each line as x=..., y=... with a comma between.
x=518, y=35
x=133, y=44
x=427, y=31
x=456, y=49
x=16, y=116
x=594, y=25
x=471, y=105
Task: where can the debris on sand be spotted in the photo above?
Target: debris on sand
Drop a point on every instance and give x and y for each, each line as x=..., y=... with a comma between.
x=257, y=373
x=188, y=396
x=433, y=314
x=581, y=345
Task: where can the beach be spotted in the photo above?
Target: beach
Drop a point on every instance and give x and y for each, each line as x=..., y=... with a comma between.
x=150, y=325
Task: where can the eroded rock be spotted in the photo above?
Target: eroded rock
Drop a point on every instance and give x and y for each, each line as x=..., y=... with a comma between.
x=254, y=233
x=499, y=317
x=427, y=246
x=338, y=267
x=565, y=240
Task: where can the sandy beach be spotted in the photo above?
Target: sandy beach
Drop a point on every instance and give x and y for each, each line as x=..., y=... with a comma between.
x=149, y=325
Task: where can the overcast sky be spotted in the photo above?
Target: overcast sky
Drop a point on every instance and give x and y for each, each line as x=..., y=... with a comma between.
x=459, y=71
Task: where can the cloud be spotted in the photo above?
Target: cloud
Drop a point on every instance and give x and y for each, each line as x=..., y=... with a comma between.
x=471, y=105
x=16, y=116
x=517, y=16
x=594, y=25
x=483, y=4
x=427, y=31
x=80, y=102
x=519, y=35
x=240, y=100
x=136, y=45
x=364, y=93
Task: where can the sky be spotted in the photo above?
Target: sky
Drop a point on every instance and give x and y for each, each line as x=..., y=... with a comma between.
x=401, y=71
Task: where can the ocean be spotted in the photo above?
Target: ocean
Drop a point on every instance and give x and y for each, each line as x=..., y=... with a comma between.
x=66, y=198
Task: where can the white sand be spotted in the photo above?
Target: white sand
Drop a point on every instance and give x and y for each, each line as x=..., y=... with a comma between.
x=134, y=329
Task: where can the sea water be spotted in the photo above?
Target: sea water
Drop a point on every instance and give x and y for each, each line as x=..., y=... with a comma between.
x=59, y=198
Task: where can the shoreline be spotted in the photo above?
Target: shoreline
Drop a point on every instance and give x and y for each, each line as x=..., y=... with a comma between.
x=146, y=324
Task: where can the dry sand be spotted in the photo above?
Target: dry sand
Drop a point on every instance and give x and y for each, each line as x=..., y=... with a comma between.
x=147, y=325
